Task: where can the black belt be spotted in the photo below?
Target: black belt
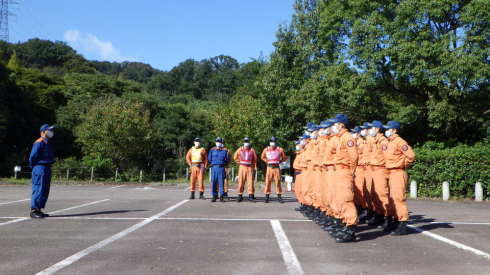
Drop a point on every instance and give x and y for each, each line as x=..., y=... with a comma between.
x=273, y=165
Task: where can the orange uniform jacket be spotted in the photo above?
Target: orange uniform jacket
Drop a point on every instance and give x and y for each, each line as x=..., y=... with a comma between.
x=363, y=150
x=346, y=150
x=398, y=154
x=376, y=145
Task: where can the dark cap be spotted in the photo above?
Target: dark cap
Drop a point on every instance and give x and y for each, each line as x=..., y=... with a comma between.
x=46, y=127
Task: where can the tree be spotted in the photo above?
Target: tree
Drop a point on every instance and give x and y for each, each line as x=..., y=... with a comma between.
x=117, y=129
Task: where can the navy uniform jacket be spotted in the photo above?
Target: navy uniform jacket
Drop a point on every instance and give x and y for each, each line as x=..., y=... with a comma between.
x=218, y=156
x=42, y=152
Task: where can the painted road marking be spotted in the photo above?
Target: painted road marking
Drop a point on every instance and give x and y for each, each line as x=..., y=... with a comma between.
x=166, y=218
x=451, y=242
x=9, y=202
x=77, y=256
x=292, y=264
x=55, y=212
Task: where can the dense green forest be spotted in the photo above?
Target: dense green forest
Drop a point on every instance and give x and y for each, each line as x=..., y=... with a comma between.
x=423, y=63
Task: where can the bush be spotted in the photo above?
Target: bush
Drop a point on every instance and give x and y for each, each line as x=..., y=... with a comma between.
x=462, y=166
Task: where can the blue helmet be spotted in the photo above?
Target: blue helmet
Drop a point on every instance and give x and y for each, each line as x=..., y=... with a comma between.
x=377, y=124
x=356, y=129
x=392, y=125
x=341, y=118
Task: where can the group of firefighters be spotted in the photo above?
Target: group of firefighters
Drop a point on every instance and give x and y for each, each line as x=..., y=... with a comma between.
x=342, y=178
x=219, y=157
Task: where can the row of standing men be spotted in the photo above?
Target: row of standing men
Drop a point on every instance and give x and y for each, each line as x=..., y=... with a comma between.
x=344, y=178
x=218, y=159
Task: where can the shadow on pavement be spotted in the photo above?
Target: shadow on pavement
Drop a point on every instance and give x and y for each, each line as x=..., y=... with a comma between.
x=97, y=213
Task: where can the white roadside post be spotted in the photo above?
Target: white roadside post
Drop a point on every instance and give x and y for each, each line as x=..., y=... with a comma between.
x=478, y=191
x=141, y=176
x=445, y=191
x=91, y=174
x=413, y=189
x=17, y=170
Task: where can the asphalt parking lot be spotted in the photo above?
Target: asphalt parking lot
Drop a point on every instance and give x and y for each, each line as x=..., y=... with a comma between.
x=156, y=230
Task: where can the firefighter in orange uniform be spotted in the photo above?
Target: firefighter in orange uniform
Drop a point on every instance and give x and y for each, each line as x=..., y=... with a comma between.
x=300, y=165
x=398, y=157
x=380, y=189
x=345, y=162
x=273, y=155
x=246, y=158
x=197, y=159
x=362, y=177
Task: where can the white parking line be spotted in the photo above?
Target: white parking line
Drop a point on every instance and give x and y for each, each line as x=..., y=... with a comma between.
x=114, y=187
x=77, y=256
x=450, y=242
x=54, y=212
x=9, y=202
x=292, y=264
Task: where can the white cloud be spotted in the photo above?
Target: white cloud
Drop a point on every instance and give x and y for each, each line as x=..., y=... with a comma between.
x=90, y=44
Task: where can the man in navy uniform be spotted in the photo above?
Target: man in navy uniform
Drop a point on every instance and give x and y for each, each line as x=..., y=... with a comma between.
x=40, y=160
x=218, y=159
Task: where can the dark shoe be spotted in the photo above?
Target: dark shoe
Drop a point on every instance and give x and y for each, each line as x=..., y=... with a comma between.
x=214, y=198
x=267, y=198
x=388, y=224
x=201, y=196
x=251, y=197
x=347, y=234
x=240, y=198
x=192, y=195
x=363, y=216
x=401, y=229
x=222, y=198
x=36, y=214
x=376, y=220
x=225, y=196
x=44, y=214
x=279, y=198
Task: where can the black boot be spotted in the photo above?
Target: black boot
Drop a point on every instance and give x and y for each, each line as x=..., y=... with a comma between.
x=347, y=234
x=240, y=198
x=192, y=195
x=36, y=214
x=388, y=224
x=267, y=198
x=279, y=198
x=251, y=197
x=201, y=196
x=401, y=229
x=214, y=198
x=44, y=214
x=222, y=198
x=363, y=216
x=225, y=196
x=376, y=220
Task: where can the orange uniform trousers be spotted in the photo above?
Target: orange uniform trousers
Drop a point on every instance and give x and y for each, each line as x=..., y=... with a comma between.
x=398, y=179
x=197, y=176
x=305, y=184
x=362, y=185
x=343, y=200
x=246, y=174
x=318, y=187
x=309, y=193
x=379, y=189
x=273, y=174
x=327, y=191
x=297, y=186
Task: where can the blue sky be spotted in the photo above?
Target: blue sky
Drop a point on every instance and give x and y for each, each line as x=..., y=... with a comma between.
x=162, y=33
